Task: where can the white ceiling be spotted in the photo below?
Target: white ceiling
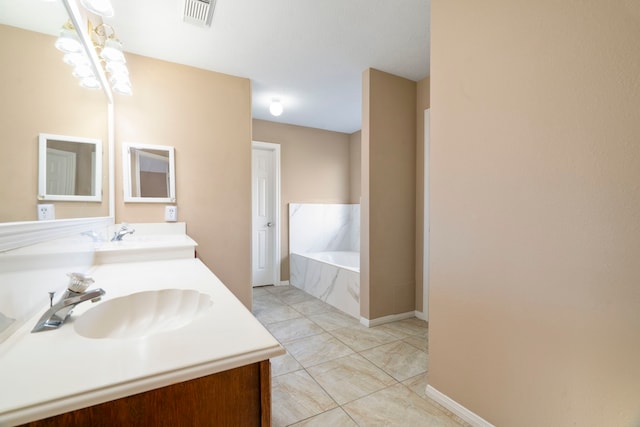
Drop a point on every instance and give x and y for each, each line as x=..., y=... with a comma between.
x=310, y=54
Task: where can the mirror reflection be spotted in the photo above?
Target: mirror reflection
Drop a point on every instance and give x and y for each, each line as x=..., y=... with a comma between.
x=39, y=94
x=70, y=168
x=149, y=173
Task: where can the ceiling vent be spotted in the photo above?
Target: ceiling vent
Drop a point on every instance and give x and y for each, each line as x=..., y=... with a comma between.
x=199, y=12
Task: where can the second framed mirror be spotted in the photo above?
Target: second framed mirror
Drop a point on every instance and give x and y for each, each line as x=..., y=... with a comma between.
x=149, y=173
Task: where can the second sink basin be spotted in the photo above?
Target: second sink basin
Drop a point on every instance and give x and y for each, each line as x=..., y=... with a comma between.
x=143, y=313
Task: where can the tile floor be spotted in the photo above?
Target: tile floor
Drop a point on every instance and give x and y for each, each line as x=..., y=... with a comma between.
x=339, y=373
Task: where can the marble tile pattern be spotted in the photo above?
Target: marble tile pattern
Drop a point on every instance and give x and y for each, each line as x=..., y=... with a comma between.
x=339, y=373
x=336, y=286
x=323, y=227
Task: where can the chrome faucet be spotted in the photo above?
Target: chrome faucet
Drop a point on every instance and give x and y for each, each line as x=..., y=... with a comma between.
x=94, y=236
x=74, y=295
x=124, y=230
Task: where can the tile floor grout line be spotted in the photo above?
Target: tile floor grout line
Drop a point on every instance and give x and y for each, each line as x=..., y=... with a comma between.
x=403, y=329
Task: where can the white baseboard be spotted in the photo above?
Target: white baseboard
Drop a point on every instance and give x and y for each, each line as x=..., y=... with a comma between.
x=283, y=283
x=420, y=315
x=468, y=416
x=386, y=319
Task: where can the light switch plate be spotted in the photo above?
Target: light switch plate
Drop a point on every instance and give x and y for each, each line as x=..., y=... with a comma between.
x=46, y=212
x=171, y=213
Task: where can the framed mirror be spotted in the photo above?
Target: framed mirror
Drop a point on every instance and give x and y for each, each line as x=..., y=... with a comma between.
x=149, y=173
x=69, y=168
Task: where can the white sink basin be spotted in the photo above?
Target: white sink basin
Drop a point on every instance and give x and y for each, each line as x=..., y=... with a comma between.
x=143, y=313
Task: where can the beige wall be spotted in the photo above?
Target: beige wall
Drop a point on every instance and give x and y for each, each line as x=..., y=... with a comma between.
x=535, y=207
x=422, y=103
x=314, y=169
x=39, y=95
x=388, y=214
x=355, y=148
x=206, y=116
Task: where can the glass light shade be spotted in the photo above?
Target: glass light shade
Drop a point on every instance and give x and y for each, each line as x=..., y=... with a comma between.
x=120, y=78
x=121, y=83
x=68, y=41
x=122, y=88
x=90, y=83
x=99, y=7
x=75, y=59
x=112, y=51
x=276, y=108
x=117, y=68
x=83, y=71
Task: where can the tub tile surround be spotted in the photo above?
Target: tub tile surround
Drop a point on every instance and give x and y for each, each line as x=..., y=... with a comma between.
x=329, y=283
x=325, y=228
x=365, y=383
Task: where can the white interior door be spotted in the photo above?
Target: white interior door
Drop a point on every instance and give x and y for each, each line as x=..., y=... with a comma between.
x=61, y=172
x=265, y=225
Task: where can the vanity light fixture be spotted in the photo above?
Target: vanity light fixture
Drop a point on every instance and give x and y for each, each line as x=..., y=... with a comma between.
x=276, y=107
x=75, y=55
x=110, y=52
x=99, y=7
x=68, y=40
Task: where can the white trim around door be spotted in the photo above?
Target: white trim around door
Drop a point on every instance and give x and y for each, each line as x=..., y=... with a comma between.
x=274, y=203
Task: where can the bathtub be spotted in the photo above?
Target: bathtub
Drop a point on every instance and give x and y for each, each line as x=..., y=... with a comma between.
x=333, y=277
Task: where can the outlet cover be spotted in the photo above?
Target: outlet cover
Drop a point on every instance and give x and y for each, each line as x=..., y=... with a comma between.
x=171, y=213
x=46, y=212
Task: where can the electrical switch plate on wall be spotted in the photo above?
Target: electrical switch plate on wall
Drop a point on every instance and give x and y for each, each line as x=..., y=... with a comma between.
x=171, y=213
x=46, y=212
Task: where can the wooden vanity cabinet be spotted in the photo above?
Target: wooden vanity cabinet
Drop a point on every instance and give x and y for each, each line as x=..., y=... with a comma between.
x=237, y=397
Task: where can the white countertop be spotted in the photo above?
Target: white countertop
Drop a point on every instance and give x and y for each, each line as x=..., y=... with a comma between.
x=145, y=248
x=53, y=372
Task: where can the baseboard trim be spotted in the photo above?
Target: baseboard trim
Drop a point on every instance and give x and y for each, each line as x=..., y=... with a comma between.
x=420, y=315
x=468, y=416
x=386, y=319
x=283, y=283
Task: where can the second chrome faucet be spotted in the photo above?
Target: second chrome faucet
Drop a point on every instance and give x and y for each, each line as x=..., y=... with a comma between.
x=124, y=230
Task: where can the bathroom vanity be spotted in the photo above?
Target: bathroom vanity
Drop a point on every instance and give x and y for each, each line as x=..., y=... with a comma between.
x=209, y=367
x=236, y=397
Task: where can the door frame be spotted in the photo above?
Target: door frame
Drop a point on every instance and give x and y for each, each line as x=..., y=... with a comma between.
x=426, y=230
x=276, y=203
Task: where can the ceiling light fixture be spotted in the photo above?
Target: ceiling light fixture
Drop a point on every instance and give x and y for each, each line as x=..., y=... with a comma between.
x=276, y=107
x=99, y=7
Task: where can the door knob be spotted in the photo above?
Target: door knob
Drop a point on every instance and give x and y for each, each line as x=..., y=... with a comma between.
x=269, y=224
